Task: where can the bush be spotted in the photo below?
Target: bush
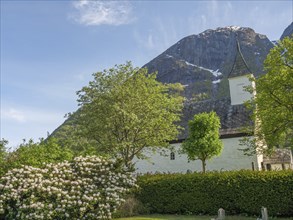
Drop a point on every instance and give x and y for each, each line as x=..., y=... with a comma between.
x=87, y=188
x=238, y=192
x=130, y=207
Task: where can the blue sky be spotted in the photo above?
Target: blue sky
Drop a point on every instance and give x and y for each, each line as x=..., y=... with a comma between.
x=49, y=49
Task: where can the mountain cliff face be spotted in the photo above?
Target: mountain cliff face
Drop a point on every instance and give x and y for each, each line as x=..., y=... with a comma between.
x=202, y=62
x=287, y=32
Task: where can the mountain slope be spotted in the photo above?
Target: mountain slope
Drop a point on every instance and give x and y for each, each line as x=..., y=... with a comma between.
x=202, y=62
x=287, y=32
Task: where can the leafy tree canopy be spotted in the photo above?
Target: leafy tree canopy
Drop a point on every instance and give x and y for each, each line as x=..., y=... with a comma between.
x=125, y=109
x=273, y=103
x=35, y=154
x=3, y=153
x=203, y=141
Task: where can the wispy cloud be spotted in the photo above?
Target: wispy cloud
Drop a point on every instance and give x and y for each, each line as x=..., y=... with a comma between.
x=213, y=14
x=213, y=7
x=19, y=122
x=161, y=35
x=145, y=41
x=94, y=12
x=14, y=115
x=30, y=115
x=81, y=77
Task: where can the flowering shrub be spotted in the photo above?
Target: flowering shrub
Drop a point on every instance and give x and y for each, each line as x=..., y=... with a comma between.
x=87, y=188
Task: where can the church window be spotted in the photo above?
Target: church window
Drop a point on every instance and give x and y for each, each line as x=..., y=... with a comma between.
x=172, y=156
x=269, y=166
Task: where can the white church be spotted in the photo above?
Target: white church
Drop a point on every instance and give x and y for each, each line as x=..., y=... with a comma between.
x=233, y=116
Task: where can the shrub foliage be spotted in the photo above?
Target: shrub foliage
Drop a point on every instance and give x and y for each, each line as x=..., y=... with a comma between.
x=34, y=154
x=87, y=188
x=238, y=192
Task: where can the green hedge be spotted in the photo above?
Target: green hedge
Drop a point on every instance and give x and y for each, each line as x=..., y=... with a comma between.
x=238, y=192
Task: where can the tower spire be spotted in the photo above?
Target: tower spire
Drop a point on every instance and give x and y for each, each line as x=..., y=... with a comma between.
x=240, y=66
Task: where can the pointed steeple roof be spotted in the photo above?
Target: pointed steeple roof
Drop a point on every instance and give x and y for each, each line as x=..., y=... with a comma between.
x=240, y=66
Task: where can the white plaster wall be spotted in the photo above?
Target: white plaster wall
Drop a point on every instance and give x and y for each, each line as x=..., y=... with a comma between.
x=237, y=89
x=287, y=166
x=230, y=159
x=259, y=159
x=276, y=167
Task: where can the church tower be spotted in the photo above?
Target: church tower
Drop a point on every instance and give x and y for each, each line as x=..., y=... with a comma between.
x=239, y=79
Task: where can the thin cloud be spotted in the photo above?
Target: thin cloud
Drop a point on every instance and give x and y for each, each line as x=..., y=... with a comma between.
x=30, y=115
x=157, y=39
x=145, y=41
x=14, y=115
x=150, y=41
x=18, y=123
x=80, y=77
x=94, y=13
x=213, y=7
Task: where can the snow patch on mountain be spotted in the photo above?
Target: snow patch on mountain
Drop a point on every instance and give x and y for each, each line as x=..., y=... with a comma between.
x=216, y=73
x=190, y=64
x=216, y=81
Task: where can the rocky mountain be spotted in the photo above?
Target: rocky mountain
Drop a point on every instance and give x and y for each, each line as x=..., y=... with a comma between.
x=287, y=32
x=202, y=62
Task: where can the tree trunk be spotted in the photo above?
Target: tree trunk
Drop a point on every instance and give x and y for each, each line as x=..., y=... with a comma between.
x=203, y=162
x=129, y=165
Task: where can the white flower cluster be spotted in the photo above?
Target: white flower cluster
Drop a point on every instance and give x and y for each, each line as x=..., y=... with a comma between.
x=88, y=188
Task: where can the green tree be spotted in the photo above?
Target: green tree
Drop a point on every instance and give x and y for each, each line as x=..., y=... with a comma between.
x=125, y=109
x=203, y=141
x=68, y=135
x=3, y=154
x=273, y=103
x=36, y=154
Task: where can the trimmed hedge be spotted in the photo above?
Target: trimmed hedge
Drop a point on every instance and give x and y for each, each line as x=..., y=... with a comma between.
x=238, y=192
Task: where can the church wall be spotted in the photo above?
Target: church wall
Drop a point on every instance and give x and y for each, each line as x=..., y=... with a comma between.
x=230, y=159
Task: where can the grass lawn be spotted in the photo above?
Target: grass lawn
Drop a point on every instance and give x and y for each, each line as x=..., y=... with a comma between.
x=182, y=217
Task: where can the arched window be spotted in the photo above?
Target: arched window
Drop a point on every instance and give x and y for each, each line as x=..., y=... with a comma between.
x=172, y=156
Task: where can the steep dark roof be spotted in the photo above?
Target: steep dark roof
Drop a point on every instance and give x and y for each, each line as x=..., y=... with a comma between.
x=232, y=117
x=240, y=66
